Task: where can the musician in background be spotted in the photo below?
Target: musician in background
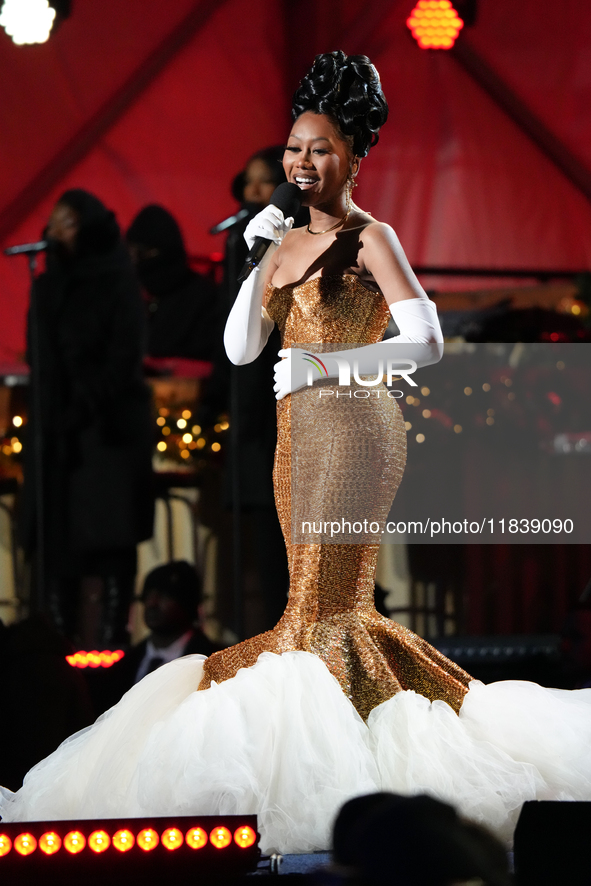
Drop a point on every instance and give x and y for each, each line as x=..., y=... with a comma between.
x=249, y=466
x=92, y=419
x=183, y=306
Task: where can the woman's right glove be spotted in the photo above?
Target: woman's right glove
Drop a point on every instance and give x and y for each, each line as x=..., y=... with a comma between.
x=249, y=326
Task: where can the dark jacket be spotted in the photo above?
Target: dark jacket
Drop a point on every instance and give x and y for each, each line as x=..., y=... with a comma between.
x=108, y=686
x=86, y=339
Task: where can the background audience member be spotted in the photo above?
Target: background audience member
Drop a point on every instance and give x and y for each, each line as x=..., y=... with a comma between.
x=182, y=304
x=389, y=840
x=90, y=425
x=172, y=602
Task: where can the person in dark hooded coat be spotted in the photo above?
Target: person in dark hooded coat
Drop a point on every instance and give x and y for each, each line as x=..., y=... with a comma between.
x=90, y=424
x=183, y=309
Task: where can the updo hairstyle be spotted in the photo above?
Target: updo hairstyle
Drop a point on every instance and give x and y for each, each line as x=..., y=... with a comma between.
x=348, y=90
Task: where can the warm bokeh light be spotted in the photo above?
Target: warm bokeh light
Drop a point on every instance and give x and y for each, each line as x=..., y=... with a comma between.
x=172, y=838
x=434, y=24
x=196, y=838
x=17, y=446
x=220, y=837
x=245, y=837
x=196, y=429
x=5, y=844
x=95, y=659
x=50, y=843
x=123, y=840
x=99, y=841
x=25, y=844
x=186, y=413
x=181, y=423
x=161, y=421
x=148, y=839
x=215, y=447
x=17, y=421
x=74, y=842
x=187, y=438
x=185, y=453
x=161, y=446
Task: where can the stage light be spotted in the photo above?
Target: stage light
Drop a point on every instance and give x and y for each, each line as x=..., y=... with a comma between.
x=245, y=837
x=172, y=838
x=50, y=843
x=434, y=24
x=220, y=837
x=196, y=838
x=25, y=844
x=117, y=852
x=74, y=842
x=123, y=840
x=99, y=841
x=95, y=659
x=148, y=839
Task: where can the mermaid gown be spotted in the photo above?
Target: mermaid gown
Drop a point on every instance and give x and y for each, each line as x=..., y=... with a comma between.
x=336, y=700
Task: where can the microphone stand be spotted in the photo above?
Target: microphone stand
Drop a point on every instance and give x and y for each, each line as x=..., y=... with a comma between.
x=35, y=376
x=233, y=268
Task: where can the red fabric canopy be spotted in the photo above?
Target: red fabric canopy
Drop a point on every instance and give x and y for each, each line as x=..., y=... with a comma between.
x=147, y=101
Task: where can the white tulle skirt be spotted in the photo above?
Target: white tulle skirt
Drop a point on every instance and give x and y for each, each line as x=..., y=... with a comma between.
x=281, y=740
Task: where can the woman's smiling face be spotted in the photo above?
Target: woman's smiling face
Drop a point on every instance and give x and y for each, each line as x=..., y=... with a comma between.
x=317, y=159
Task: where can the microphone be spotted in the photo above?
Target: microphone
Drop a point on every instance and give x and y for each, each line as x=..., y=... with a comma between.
x=288, y=198
x=230, y=221
x=27, y=248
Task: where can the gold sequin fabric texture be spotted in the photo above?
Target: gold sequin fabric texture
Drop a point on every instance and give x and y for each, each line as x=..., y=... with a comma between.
x=330, y=610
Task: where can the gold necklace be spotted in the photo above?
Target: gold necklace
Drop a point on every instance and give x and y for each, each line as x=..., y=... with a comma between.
x=341, y=222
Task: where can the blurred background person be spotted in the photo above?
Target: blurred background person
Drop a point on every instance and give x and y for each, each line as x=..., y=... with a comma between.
x=382, y=839
x=173, y=612
x=183, y=305
x=90, y=437
x=246, y=394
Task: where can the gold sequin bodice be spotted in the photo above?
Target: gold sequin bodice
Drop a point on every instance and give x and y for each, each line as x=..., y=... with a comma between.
x=322, y=469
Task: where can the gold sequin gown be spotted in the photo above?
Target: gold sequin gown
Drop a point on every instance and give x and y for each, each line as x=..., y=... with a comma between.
x=358, y=450
x=276, y=728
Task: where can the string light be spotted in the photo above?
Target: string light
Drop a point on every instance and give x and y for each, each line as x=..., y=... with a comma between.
x=94, y=659
x=434, y=24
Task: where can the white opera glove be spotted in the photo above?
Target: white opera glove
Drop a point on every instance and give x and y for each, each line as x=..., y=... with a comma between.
x=420, y=343
x=249, y=326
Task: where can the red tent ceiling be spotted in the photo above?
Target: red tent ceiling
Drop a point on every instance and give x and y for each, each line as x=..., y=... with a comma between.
x=146, y=101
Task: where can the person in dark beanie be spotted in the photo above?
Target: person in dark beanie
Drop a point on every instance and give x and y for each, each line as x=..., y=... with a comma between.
x=87, y=498
x=172, y=602
x=182, y=304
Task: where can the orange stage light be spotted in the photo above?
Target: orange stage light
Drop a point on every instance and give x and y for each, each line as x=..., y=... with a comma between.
x=196, y=838
x=50, y=843
x=172, y=838
x=434, y=24
x=99, y=841
x=148, y=839
x=25, y=844
x=220, y=837
x=74, y=842
x=245, y=837
x=123, y=840
x=5, y=844
x=94, y=659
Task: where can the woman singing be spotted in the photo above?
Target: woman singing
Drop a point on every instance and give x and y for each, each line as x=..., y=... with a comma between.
x=335, y=701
